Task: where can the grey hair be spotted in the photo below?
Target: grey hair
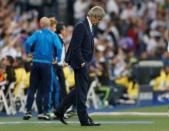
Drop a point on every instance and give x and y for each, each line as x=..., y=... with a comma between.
x=96, y=11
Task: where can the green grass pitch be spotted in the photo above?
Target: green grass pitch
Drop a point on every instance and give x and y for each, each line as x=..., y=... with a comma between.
x=109, y=123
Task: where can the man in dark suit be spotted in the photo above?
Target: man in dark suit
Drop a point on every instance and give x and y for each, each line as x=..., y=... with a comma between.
x=78, y=56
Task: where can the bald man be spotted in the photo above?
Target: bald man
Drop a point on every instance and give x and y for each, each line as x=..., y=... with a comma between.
x=41, y=45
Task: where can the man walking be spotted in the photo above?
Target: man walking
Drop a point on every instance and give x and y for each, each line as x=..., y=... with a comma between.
x=79, y=54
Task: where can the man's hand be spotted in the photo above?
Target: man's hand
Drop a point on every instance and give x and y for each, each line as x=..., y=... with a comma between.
x=54, y=62
x=65, y=64
x=29, y=57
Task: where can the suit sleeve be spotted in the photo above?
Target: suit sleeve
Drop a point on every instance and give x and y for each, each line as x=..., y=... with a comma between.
x=29, y=42
x=58, y=46
x=76, y=42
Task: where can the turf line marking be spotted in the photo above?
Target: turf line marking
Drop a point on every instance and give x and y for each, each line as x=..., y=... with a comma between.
x=131, y=113
x=76, y=122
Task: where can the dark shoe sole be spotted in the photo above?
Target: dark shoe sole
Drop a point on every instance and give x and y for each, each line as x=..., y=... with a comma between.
x=92, y=124
x=60, y=117
x=26, y=118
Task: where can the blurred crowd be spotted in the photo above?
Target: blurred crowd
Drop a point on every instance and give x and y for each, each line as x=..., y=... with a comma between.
x=132, y=31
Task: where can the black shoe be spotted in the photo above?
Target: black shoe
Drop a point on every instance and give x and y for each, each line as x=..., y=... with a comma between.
x=27, y=116
x=60, y=117
x=90, y=124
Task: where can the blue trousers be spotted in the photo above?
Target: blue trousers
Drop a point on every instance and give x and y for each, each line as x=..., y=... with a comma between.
x=55, y=89
x=54, y=95
x=40, y=80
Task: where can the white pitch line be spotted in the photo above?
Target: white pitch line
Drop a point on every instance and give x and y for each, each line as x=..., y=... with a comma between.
x=76, y=122
x=131, y=113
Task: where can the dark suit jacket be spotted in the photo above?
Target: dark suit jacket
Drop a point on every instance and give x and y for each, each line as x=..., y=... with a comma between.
x=81, y=46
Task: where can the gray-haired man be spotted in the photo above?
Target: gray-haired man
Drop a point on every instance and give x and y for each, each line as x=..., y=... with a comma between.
x=79, y=54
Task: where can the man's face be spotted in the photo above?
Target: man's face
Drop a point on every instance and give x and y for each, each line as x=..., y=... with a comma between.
x=53, y=28
x=63, y=31
x=95, y=20
x=5, y=61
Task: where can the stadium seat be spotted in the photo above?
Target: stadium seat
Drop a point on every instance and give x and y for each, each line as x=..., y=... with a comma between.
x=10, y=96
x=92, y=96
x=3, y=101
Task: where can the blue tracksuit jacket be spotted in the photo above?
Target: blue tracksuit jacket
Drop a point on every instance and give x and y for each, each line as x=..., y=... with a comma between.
x=43, y=42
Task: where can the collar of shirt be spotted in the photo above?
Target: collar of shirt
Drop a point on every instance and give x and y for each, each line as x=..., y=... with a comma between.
x=90, y=24
x=46, y=29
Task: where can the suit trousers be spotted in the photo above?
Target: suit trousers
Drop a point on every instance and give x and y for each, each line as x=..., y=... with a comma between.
x=82, y=87
x=61, y=78
x=78, y=95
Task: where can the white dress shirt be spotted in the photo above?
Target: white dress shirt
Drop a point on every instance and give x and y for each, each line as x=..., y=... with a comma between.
x=90, y=24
